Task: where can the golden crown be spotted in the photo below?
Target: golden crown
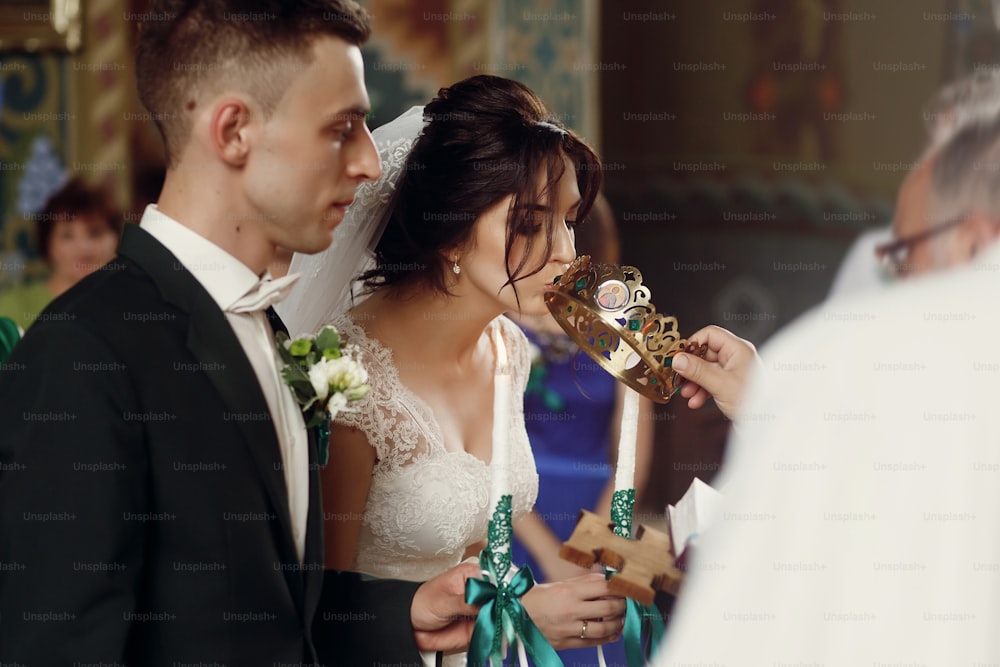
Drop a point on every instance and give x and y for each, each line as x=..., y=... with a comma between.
x=606, y=310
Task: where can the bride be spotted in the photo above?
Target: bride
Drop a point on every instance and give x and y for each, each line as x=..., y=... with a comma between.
x=472, y=218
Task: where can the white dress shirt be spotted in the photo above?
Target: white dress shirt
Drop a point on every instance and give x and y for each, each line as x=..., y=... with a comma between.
x=862, y=519
x=227, y=280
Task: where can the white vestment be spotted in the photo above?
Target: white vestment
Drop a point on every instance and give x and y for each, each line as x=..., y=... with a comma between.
x=860, y=269
x=862, y=520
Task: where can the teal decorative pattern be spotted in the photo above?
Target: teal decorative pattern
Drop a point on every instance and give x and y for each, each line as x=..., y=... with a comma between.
x=499, y=534
x=34, y=125
x=622, y=504
x=551, y=46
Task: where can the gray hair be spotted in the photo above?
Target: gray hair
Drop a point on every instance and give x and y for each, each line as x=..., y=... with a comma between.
x=963, y=122
x=973, y=98
x=966, y=172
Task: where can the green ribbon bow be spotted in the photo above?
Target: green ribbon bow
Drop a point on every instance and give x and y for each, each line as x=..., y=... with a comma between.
x=641, y=619
x=502, y=615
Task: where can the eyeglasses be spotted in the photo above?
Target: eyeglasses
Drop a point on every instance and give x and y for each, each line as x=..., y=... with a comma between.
x=894, y=255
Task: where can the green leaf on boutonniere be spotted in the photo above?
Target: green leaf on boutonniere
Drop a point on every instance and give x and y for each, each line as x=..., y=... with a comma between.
x=298, y=380
x=328, y=340
x=315, y=418
x=294, y=374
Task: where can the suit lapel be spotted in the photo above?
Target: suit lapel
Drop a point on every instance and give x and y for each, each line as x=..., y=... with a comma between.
x=313, y=560
x=212, y=340
x=314, y=534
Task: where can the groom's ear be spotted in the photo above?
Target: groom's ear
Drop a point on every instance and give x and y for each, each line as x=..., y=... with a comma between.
x=230, y=133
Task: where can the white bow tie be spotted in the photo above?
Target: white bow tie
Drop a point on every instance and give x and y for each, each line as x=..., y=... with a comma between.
x=264, y=294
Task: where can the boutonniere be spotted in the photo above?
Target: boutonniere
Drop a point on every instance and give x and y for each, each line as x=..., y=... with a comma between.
x=325, y=375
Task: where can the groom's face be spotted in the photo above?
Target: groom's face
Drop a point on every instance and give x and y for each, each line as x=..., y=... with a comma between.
x=310, y=156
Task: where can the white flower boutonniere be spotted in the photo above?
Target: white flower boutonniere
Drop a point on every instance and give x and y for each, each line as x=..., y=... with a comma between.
x=325, y=376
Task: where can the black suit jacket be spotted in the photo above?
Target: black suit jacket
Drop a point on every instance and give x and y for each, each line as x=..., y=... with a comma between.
x=143, y=510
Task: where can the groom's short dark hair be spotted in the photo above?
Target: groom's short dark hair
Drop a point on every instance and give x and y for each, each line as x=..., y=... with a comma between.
x=256, y=46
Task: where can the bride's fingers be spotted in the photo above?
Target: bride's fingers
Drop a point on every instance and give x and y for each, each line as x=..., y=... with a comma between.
x=606, y=609
x=603, y=631
x=559, y=610
x=594, y=633
x=591, y=586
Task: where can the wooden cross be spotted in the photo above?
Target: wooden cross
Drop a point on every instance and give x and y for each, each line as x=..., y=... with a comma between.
x=643, y=564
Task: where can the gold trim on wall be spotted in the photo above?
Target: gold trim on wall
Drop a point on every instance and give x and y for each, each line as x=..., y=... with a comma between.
x=41, y=25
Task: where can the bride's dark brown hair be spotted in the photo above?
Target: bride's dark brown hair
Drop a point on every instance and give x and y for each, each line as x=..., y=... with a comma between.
x=484, y=138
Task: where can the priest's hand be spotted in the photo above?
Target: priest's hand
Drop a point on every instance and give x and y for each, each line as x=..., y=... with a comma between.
x=441, y=619
x=722, y=374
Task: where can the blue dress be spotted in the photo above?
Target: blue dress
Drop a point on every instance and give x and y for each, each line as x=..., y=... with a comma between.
x=568, y=408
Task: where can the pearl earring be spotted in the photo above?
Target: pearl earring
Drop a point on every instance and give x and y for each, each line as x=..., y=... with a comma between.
x=455, y=267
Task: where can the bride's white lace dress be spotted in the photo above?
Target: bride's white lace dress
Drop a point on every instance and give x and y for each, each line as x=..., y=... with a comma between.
x=426, y=503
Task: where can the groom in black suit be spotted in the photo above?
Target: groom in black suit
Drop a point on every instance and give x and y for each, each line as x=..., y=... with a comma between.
x=159, y=493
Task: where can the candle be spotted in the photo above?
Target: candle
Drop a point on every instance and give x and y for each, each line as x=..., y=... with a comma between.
x=501, y=426
x=625, y=471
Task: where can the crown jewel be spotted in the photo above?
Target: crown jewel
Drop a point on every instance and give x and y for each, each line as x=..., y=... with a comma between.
x=606, y=310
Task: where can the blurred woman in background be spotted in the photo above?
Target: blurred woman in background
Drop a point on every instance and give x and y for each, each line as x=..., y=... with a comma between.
x=76, y=233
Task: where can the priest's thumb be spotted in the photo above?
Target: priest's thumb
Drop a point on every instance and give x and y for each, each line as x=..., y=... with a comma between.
x=680, y=363
x=697, y=371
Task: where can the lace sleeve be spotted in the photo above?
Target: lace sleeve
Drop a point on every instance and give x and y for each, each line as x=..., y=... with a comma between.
x=364, y=415
x=397, y=427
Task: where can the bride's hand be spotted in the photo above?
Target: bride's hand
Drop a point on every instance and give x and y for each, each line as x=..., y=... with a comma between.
x=577, y=612
x=557, y=569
